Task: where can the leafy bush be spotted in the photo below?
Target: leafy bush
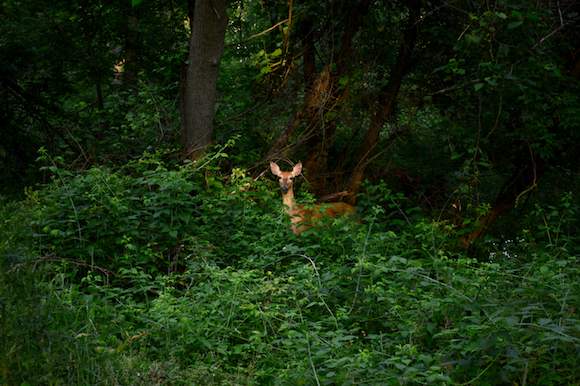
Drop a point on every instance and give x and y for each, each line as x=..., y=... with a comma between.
x=159, y=274
x=148, y=214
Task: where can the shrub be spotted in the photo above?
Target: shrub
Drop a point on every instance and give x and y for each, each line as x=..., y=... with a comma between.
x=179, y=274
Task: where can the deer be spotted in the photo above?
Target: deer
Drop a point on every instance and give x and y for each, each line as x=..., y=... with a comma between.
x=302, y=217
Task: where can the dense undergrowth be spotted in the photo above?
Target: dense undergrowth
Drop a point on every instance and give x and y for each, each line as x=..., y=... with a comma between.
x=159, y=274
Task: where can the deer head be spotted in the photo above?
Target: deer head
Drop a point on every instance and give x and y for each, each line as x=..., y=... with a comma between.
x=286, y=178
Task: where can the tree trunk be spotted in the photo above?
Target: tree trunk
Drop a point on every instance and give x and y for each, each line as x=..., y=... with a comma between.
x=129, y=74
x=523, y=180
x=309, y=51
x=127, y=63
x=384, y=107
x=314, y=93
x=199, y=93
x=323, y=130
x=322, y=94
x=99, y=91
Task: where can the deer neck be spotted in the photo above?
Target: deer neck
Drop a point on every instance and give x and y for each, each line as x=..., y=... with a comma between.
x=293, y=211
x=288, y=200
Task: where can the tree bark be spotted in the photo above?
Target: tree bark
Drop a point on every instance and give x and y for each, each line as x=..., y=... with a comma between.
x=323, y=136
x=199, y=93
x=99, y=93
x=524, y=179
x=314, y=93
x=385, y=104
x=322, y=94
x=130, y=66
x=309, y=51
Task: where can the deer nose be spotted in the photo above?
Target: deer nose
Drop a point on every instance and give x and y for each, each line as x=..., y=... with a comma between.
x=284, y=189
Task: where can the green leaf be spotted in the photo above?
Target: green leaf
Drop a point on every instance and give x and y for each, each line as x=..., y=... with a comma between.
x=515, y=24
x=473, y=38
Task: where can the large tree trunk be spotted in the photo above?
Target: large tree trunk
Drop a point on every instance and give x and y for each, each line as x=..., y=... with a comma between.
x=323, y=130
x=199, y=93
x=129, y=74
x=309, y=51
x=323, y=94
x=383, y=109
x=99, y=92
x=315, y=92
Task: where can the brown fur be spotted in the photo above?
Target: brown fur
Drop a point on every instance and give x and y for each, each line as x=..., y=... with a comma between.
x=303, y=217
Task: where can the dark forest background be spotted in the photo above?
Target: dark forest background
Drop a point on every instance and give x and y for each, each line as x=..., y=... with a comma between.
x=143, y=239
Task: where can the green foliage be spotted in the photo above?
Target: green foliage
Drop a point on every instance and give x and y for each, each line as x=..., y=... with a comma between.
x=61, y=91
x=384, y=301
x=133, y=122
x=126, y=266
x=54, y=333
x=556, y=225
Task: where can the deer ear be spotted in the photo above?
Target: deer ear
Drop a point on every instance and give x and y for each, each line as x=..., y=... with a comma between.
x=275, y=169
x=297, y=169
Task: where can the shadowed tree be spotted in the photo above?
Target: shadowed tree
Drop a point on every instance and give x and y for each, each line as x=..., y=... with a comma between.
x=199, y=90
